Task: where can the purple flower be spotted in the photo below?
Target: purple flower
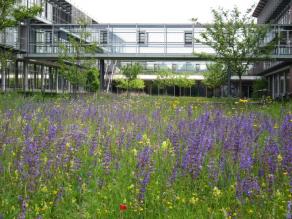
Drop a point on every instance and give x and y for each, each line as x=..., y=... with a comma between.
x=144, y=170
x=247, y=186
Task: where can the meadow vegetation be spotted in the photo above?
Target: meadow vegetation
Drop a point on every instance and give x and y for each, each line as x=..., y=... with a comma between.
x=144, y=157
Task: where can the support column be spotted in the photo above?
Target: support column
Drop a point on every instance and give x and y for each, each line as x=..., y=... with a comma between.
x=3, y=80
x=16, y=75
x=69, y=87
x=50, y=78
x=34, y=84
x=229, y=80
x=102, y=73
x=57, y=81
x=25, y=75
x=42, y=79
x=63, y=83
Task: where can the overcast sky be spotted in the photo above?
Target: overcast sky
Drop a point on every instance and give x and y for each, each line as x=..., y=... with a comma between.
x=155, y=11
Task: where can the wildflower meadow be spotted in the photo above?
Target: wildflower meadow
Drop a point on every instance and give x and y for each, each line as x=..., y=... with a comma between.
x=144, y=157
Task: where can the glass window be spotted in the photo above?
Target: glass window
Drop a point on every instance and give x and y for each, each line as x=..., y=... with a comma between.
x=198, y=67
x=174, y=67
x=103, y=37
x=156, y=67
x=188, y=38
x=142, y=37
x=282, y=83
x=49, y=12
x=288, y=88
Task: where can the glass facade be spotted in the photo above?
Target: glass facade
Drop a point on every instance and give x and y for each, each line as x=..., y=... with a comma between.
x=278, y=84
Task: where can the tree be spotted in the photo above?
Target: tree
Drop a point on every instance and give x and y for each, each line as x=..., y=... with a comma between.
x=215, y=76
x=164, y=80
x=130, y=72
x=73, y=66
x=236, y=39
x=12, y=12
x=136, y=84
x=92, y=80
x=182, y=81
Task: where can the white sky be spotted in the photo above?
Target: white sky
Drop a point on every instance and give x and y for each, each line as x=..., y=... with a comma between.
x=156, y=11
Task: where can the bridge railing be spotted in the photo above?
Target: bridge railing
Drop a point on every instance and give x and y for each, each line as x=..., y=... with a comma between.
x=139, y=38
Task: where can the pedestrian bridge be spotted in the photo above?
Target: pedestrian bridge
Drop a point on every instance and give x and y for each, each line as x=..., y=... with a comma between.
x=173, y=42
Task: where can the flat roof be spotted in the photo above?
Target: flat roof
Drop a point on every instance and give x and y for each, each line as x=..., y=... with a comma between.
x=260, y=6
x=191, y=77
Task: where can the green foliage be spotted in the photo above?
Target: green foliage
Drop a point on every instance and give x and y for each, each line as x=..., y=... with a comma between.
x=236, y=39
x=131, y=71
x=80, y=167
x=74, y=67
x=12, y=13
x=136, y=84
x=215, y=76
x=92, y=80
x=167, y=79
x=259, y=88
x=183, y=82
x=164, y=79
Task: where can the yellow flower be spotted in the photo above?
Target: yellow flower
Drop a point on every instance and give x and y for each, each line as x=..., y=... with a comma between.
x=194, y=200
x=44, y=189
x=164, y=145
x=16, y=174
x=83, y=187
x=217, y=192
x=135, y=152
x=276, y=126
x=131, y=187
x=280, y=158
x=243, y=101
x=72, y=163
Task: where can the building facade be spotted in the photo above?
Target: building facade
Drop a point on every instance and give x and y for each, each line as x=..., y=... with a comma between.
x=277, y=73
x=36, y=45
x=25, y=74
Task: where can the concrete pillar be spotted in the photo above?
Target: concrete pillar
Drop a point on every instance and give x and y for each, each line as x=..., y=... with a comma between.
x=50, y=78
x=3, y=79
x=25, y=75
x=102, y=73
x=16, y=75
x=273, y=86
x=63, y=83
x=34, y=77
x=57, y=81
x=69, y=87
x=42, y=79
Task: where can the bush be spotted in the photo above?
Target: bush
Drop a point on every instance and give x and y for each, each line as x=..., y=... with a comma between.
x=92, y=80
x=260, y=88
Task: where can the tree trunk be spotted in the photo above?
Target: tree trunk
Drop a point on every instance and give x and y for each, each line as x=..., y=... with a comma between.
x=240, y=87
x=174, y=91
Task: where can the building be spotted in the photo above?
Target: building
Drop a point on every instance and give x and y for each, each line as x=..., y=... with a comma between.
x=25, y=74
x=278, y=73
x=36, y=43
